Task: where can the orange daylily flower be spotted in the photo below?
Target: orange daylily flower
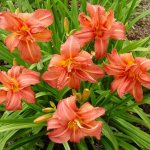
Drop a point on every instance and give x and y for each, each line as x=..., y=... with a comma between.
x=101, y=26
x=71, y=67
x=72, y=124
x=16, y=86
x=25, y=30
x=129, y=74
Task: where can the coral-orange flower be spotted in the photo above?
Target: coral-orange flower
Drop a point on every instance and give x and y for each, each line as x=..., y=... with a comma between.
x=101, y=26
x=129, y=74
x=25, y=30
x=16, y=86
x=71, y=67
x=72, y=124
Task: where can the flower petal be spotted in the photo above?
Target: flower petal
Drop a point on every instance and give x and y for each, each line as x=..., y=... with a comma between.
x=12, y=41
x=51, y=76
x=83, y=58
x=89, y=113
x=15, y=71
x=94, y=71
x=114, y=58
x=56, y=60
x=70, y=48
x=125, y=85
x=85, y=35
x=13, y=101
x=144, y=78
x=3, y=96
x=118, y=31
x=29, y=51
x=83, y=75
x=145, y=64
x=110, y=19
x=60, y=135
x=113, y=69
x=28, y=77
x=138, y=92
x=84, y=20
x=94, y=130
x=28, y=95
x=127, y=58
x=66, y=108
x=76, y=135
x=53, y=123
x=5, y=79
x=115, y=84
x=63, y=80
x=41, y=17
x=92, y=9
x=43, y=36
x=100, y=47
x=74, y=82
x=10, y=22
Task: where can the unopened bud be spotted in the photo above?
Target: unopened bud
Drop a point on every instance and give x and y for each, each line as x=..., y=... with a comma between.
x=47, y=110
x=14, y=62
x=66, y=24
x=52, y=104
x=42, y=118
x=85, y=94
x=78, y=96
x=74, y=92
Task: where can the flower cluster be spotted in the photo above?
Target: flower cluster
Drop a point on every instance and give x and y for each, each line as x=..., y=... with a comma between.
x=72, y=66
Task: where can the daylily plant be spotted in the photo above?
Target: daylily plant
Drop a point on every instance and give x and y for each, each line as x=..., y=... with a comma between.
x=99, y=26
x=70, y=123
x=71, y=67
x=26, y=29
x=129, y=74
x=17, y=86
x=68, y=69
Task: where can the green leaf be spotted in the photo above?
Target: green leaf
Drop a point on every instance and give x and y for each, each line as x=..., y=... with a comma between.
x=125, y=145
x=141, y=138
x=134, y=44
x=50, y=146
x=17, y=126
x=109, y=134
x=25, y=140
x=142, y=15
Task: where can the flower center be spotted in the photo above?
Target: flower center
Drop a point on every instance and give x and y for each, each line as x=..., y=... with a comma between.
x=24, y=28
x=14, y=85
x=66, y=63
x=74, y=124
x=99, y=32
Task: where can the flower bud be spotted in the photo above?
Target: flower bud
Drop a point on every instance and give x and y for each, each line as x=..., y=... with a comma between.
x=48, y=109
x=78, y=96
x=74, y=92
x=66, y=24
x=52, y=104
x=85, y=94
x=42, y=118
x=14, y=62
